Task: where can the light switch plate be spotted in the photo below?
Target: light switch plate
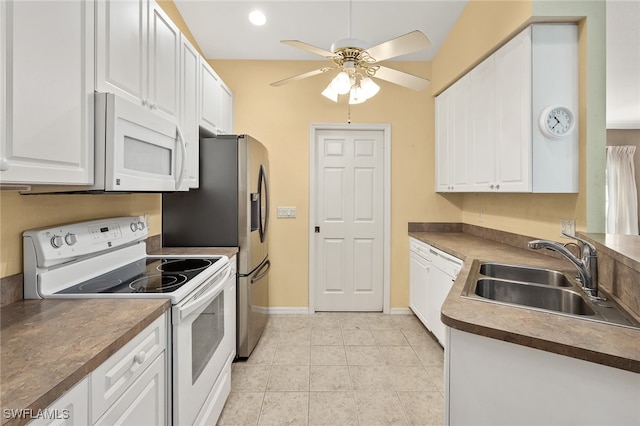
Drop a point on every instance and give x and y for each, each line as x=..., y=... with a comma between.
x=287, y=212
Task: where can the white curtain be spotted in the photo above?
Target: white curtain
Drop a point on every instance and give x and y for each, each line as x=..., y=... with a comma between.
x=622, y=198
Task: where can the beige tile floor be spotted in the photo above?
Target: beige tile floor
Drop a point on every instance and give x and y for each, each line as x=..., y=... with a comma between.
x=339, y=369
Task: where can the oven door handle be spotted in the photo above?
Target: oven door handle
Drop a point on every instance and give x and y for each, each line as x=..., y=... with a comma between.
x=201, y=299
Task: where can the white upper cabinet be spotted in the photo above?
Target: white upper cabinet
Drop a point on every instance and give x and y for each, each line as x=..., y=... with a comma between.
x=189, y=98
x=138, y=51
x=453, y=154
x=216, y=102
x=513, y=115
x=499, y=123
x=226, y=109
x=210, y=98
x=47, y=103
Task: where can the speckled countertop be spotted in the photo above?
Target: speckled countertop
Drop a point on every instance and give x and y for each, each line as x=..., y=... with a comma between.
x=605, y=344
x=47, y=346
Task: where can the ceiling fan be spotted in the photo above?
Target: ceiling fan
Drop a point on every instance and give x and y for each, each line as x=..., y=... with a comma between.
x=357, y=63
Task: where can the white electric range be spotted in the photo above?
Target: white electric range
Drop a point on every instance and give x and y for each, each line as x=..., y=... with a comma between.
x=107, y=258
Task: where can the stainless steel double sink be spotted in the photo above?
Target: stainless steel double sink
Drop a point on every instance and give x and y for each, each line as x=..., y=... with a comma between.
x=541, y=289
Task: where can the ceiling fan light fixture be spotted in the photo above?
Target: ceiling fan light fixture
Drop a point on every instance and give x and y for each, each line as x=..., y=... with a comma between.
x=341, y=83
x=356, y=96
x=369, y=87
x=330, y=93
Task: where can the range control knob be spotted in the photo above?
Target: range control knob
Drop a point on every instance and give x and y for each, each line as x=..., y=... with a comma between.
x=133, y=226
x=140, y=225
x=71, y=238
x=57, y=241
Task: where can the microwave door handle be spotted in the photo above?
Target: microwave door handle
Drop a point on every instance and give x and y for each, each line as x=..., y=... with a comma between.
x=183, y=165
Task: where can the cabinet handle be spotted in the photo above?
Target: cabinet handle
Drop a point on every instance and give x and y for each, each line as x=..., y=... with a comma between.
x=139, y=357
x=4, y=164
x=498, y=186
x=491, y=186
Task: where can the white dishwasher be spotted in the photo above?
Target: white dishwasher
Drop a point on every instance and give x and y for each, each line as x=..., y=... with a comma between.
x=431, y=276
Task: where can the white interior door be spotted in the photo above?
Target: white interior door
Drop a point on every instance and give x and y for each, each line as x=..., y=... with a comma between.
x=349, y=220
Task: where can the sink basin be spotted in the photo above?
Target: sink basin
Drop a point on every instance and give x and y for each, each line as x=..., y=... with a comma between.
x=536, y=296
x=525, y=273
x=541, y=289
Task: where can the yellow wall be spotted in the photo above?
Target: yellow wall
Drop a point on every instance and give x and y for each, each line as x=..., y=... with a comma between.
x=281, y=117
x=482, y=28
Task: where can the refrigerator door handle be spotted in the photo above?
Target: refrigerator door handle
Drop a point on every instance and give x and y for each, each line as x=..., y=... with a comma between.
x=263, y=221
x=262, y=272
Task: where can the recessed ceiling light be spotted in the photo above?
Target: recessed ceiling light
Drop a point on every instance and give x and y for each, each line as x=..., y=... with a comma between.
x=257, y=18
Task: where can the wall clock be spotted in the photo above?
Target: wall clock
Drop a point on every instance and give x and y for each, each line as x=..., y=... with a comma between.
x=556, y=121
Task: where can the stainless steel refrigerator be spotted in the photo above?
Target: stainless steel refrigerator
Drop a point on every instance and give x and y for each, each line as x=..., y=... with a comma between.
x=229, y=209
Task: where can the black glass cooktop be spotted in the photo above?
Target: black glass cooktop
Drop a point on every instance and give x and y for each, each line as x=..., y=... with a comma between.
x=163, y=275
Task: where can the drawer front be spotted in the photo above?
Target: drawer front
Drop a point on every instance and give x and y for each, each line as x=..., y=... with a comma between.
x=116, y=374
x=143, y=403
x=70, y=409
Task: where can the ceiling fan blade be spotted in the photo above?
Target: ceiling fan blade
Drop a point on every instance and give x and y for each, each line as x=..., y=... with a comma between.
x=309, y=48
x=402, y=78
x=405, y=44
x=301, y=76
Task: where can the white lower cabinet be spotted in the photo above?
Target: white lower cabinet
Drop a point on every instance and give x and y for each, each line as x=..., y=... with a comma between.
x=493, y=382
x=143, y=403
x=431, y=276
x=129, y=388
x=71, y=409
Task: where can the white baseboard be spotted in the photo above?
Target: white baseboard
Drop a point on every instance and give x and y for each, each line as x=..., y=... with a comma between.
x=400, y=311
x=305, y=310
x=288, y=311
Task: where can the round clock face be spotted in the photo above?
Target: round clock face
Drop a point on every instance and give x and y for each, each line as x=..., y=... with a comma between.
x=556, y=121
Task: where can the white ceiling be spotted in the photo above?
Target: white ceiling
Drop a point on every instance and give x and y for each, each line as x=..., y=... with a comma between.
x=223, y=31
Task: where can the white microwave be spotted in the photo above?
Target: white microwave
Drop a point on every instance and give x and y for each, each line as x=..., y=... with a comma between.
x=135, y=150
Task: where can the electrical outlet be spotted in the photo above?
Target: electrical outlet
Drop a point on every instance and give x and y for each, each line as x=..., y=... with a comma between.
x=568, y=226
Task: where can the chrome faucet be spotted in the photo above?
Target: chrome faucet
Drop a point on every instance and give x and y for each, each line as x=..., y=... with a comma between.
x=587, y=264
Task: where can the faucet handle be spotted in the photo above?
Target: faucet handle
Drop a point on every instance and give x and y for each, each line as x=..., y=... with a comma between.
x=588, y=249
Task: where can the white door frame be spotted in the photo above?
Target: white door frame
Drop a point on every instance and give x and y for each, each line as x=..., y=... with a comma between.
x=386, y=199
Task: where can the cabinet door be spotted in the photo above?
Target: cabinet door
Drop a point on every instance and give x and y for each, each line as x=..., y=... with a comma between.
x=144, y=402
x=49, y=79
x=164, y=60
x=513, y=105
x=439, y=286
x=443, y=133
x=189, y=98
x=482, y=93
x=121, y=57
x=226, y=109
x=71, y=409
x=209, y=98
x=418, y=283
x=459, y=123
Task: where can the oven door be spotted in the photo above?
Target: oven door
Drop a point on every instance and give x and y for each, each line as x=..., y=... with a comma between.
x=203, y=340
x=142, y=151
